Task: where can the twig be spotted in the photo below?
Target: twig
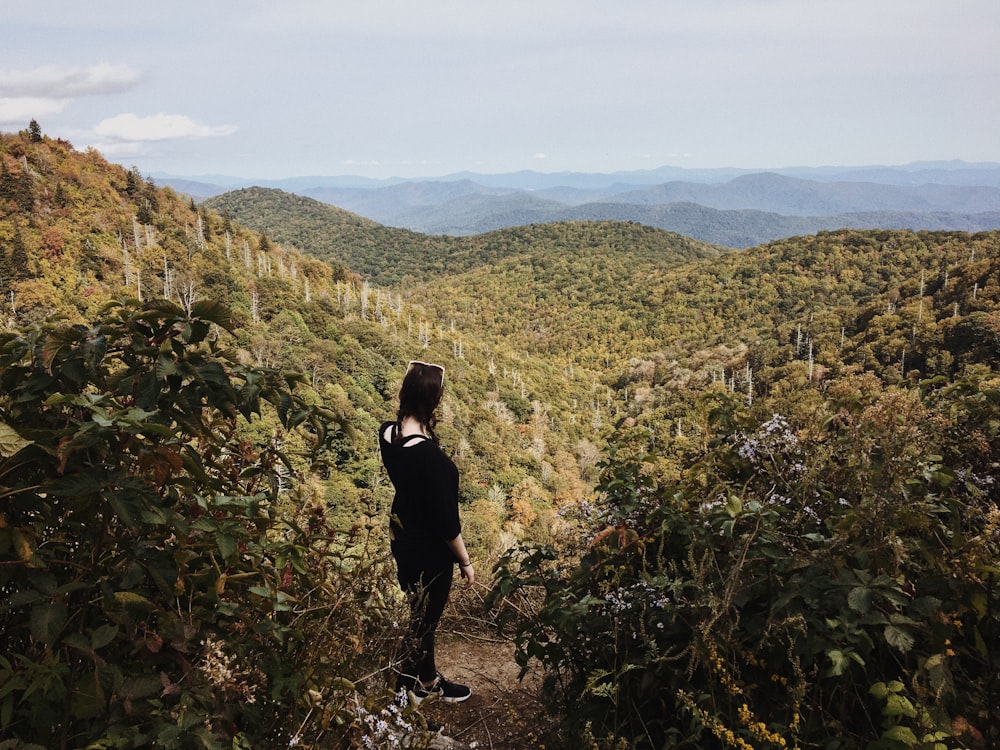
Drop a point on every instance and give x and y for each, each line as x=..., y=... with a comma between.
x=472, y=636
x=476, y=723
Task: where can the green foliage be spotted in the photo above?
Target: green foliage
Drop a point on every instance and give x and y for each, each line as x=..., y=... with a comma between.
x=826, y=576
x=400, y=257
x=799, y=566
x=160, y=586
x=340, y=237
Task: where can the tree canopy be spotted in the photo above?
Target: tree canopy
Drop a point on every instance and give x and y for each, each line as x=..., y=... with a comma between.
x=742, y=498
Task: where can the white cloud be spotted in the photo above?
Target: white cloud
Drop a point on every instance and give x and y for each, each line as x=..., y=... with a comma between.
x=20, y=110
x=158, y=127
x=55, y=82
x=122, y=150
x=538, y=155
x=46, y=90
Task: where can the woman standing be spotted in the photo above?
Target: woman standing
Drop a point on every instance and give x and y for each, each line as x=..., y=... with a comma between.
x=425, y=529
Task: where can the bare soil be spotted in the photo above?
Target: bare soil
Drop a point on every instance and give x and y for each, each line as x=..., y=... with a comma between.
x=503, y=713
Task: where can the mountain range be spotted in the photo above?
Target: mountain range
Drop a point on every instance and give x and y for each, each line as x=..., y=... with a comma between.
x=735, y=208
x=784, y=455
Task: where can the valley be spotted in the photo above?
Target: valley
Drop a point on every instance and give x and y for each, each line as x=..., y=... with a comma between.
x=724, y=494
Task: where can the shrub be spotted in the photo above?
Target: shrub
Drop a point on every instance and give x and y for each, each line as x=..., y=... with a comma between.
x=829, y=583
x=163, y=580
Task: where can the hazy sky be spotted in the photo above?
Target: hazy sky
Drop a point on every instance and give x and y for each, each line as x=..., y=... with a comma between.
x=430, y=87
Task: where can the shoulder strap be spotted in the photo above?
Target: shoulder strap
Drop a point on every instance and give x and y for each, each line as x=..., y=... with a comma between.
x=409, y=438
x=394, y=431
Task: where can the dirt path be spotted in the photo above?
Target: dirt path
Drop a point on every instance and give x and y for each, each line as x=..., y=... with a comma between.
x=503, y=713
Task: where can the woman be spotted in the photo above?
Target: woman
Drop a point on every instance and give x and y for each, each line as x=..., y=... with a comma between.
x=425, y=528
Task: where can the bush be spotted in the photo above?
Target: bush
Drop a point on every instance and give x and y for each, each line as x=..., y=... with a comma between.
x=163, y=580
x=832, y=583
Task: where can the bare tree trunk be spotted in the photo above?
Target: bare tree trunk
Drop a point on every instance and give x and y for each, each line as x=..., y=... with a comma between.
x=187, y=292
x=126, y=258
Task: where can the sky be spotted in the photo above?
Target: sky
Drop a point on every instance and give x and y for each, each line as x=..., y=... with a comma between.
x=410, y=88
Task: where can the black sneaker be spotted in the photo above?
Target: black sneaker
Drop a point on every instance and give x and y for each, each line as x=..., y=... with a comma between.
x=414, y=689
x=449, y=692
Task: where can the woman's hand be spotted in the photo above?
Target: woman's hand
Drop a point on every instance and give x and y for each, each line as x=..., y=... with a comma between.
x=468, y=573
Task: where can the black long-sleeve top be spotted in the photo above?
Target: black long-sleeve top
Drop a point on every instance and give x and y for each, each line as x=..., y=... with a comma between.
x=425, y=508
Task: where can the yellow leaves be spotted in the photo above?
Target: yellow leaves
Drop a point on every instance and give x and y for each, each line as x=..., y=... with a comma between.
x=11, y=441
x=21, y=545
x=132, y=599
x=758, y=728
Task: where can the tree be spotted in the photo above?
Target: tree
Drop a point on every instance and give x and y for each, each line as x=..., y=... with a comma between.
x=20, y=266
x=6, y=275
x=8, y=186
x=34, y=132
x=132, y=182
x=17, y=188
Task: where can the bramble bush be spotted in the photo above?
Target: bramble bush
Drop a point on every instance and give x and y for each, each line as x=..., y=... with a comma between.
x=827, y=579
x=165, y=581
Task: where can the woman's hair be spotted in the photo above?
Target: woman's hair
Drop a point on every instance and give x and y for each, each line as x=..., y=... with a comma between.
x=419, y=396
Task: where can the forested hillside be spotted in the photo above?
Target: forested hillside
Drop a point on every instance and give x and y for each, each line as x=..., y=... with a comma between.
x=125, y=307
x=819, y=413
x=735, y=499
x=381, y=254
x=398, y=257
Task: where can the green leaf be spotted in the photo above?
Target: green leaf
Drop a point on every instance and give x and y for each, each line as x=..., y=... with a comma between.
x=926, y=605
x=103, y=636
x=79, y=642
x=126, y=505
x=47, y=621
x=165, y=367
x=44, y=581
x=213, y=311
x=342, y=683
x=734, y=506
x=860, y=599
x=227, y=545
x=195, y=332
x=839, y=662
x=23, y=598
x=879, y=690
x=898, y=638
x=132, y=599
x=77, y=485
x=88, y=700
x=141, y=687
x=899, y=705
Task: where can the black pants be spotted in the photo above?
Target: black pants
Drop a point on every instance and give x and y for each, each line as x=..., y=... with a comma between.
x=428, y=592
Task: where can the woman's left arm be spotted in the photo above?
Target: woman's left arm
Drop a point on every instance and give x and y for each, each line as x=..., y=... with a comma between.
x=457, y=546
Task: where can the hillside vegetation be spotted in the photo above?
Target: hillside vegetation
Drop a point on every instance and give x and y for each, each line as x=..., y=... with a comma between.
x=735, y=499
x=397, y=257
x=190, y=369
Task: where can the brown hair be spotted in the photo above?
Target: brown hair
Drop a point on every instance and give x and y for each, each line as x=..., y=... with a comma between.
x=419, y=396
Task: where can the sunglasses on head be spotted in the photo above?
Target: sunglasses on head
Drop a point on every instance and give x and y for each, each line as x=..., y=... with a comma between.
x=417, y=363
